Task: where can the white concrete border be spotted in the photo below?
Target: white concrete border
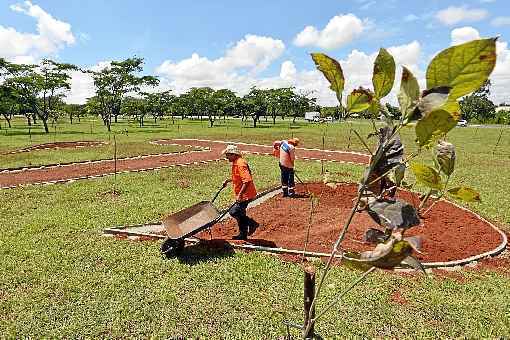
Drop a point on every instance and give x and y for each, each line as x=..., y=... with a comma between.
x=203, y=149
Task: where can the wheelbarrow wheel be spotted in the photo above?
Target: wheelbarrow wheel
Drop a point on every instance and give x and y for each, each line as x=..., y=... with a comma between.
x=172, y=248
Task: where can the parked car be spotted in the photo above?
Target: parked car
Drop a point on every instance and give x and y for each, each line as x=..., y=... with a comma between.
x=462, y=123
x=312, y=116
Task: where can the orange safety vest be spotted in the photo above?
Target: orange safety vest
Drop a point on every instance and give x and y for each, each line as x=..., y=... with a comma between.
x=241, y=173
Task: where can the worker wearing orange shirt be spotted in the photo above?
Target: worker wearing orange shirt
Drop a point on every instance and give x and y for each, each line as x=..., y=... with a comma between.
x=244, y=191
x=285, y=151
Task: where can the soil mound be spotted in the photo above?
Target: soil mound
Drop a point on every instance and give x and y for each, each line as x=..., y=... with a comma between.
x=448, y=231
x=58, y=145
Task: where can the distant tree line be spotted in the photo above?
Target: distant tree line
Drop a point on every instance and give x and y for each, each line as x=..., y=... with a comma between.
x=37, y=92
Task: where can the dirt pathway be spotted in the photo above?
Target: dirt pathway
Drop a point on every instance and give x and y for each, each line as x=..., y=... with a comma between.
x=83, y=170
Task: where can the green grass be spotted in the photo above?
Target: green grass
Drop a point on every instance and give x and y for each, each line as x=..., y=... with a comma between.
x=59, y=277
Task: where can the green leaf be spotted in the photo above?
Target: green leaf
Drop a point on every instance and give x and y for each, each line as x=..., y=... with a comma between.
x=380, y=251
x=393, y=214
x=465, y=194
x=385, y=255
x=359, y=100
x=434, y=126
x=413, y=262
x=432, y=99
x=463, y=67
x=375, y=107
x=452, y=106
x=445, y=157
x=373, y=235
x=332, y=70
x=399, y=173
x=384, y=73
x=415, y=242
x=427, y=176
x=409, y=93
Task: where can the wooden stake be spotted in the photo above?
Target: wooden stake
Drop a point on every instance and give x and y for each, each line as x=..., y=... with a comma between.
x=309, y=293
x=115, y=163
x=497, y=143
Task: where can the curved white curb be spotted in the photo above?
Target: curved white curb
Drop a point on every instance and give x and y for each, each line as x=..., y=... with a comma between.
x=278, y=250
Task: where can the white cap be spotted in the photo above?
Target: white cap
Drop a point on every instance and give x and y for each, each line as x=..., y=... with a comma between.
x=232, y=149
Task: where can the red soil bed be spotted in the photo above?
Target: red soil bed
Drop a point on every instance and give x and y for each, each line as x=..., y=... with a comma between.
x=58, y=145
x=63, y=173
x=449, y=232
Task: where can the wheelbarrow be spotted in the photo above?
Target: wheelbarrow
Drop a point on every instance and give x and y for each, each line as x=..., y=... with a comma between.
x=188, y=222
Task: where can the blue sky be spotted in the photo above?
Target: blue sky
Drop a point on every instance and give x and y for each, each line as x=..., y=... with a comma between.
x=242, y=43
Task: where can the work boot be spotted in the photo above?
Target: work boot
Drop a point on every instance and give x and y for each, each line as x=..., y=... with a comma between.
x=240, y=237
x=252, y=227
x=285, y=192
x=292, y=194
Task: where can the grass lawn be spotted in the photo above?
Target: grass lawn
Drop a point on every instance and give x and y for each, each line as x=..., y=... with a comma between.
x=59, y=277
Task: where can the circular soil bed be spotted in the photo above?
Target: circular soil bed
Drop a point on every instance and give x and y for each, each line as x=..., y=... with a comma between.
x=59, y=145
x=449, y=233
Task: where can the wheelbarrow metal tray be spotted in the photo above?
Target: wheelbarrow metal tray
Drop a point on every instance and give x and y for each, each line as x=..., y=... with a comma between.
x=190, y=220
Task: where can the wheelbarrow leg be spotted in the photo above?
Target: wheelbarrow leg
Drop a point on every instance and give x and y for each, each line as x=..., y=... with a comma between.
x=172, y=247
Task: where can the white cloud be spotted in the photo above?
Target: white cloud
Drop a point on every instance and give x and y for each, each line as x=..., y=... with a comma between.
x=340, y=30
x=287, y=70
x=254, y=52
x=367, y=5
x=453, y=15
x=357, y=68
x=245, y=59
x=82, y=84
x=464, y=34
x=235, y=70
x=500, y=78
x=52, y=35
x=500, y=21
x=411, y=17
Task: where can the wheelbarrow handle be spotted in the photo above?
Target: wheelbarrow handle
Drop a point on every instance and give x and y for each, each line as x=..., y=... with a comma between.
x=217, y=194
x=299, y=179
x=223, y=213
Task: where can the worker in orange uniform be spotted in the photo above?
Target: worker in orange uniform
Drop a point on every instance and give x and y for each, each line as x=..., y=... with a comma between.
x=285, y=151
x=244, y=191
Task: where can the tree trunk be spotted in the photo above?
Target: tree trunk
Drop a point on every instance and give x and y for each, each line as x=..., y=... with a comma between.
x=308, y=296
x=29, y=120
x=274, y=120
x=45, y=123
x=71, y=118
x=211, y=122
x=116, y=121
x=8, y=120
x=34, y=118
x=254, y=122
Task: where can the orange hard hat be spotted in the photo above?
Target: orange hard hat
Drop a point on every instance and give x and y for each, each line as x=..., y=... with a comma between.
x=294, y=141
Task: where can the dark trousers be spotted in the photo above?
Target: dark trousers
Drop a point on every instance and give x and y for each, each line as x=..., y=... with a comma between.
x=287, y=175
x=238, y=211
